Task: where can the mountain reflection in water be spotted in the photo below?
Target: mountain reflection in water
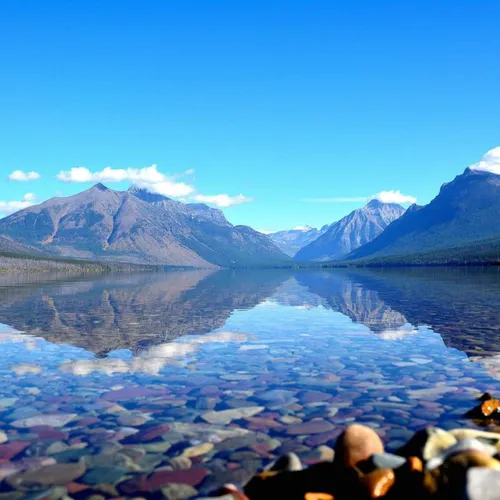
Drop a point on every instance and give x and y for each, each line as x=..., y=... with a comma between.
x=140, y=310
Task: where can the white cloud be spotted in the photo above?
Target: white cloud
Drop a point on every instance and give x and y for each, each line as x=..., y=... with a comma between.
x=490, y=162
x=148, y=178
x=222, y=200
x=19, y=175
x=393, y=197
x=383, y=196
x=9, y=207
x=302, y=228
x=152, y=180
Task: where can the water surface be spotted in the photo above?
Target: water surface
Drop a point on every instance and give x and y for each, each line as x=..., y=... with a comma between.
x=141, y=366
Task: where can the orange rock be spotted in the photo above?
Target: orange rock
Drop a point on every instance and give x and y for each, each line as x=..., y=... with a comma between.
x=415, y=464
x=318, y=496
x=355, y=444
x=378, y=482
x=489, y=406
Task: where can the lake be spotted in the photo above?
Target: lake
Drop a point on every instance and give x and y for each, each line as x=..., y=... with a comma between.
x=141, y=380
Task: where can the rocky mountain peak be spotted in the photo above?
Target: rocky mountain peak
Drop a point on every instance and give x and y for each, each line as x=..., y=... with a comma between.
x=145, y=195
x=352, y=231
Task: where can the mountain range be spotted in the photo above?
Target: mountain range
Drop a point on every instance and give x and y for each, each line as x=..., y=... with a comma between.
x=139, y=227
x=351, y=232
x=460, y=225
x=291, y=241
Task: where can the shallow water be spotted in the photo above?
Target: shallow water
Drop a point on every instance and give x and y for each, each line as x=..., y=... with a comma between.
x=121, y=374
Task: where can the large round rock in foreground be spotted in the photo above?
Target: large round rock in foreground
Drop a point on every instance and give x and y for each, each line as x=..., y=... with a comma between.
x=355, y=444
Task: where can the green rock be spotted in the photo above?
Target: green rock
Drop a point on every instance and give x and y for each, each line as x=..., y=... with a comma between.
x=176, y=491
x=104, y=475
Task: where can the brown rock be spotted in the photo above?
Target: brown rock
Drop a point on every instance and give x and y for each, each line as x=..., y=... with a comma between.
x=355, y=444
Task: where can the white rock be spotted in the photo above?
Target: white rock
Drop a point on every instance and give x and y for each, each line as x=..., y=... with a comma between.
x=482, y=484
x=3, y=437
x=57, y=420
x=227, y=416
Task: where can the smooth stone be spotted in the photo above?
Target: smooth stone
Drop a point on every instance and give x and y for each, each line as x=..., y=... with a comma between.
x=12, y=449
x=179, y=463
x=101, y=475
x=275, y=394
x=237, y=476
x=22, y=413
x=148, y=434
x=131, y=420
x=8, y=402
x=427, y=443
x=464, y=445
x=9, y=468
x=3, y=437
x=490, y=438
x=196, y=451
x=117, y=460
x=244, y=456
x=326, y=454
x=307, y=397
x=49, y=475
x=57, y=447
x=203, y=429
x=72, y=455
x=287, y=463
x=175, y=491
x=157, y=447
x=135, y=453
x=482, y=484
x=55, y=493
x=227, y=416
x=355, y=444
x=288, y=419
x=157, y=479
x=381, y=461
x=57, y=420
x=310, y=427
x=323, y=438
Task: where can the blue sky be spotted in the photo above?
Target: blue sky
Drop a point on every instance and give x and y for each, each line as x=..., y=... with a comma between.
x=279, y=102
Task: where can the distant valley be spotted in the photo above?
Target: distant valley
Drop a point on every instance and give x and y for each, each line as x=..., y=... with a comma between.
x=290, y=242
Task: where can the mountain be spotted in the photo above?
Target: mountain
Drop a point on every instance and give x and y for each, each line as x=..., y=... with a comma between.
x=139, y=227
x=464, y=213
x=290, y=242
x=351, y=232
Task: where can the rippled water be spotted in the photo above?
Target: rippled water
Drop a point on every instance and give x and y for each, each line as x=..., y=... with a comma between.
x=120, y=375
